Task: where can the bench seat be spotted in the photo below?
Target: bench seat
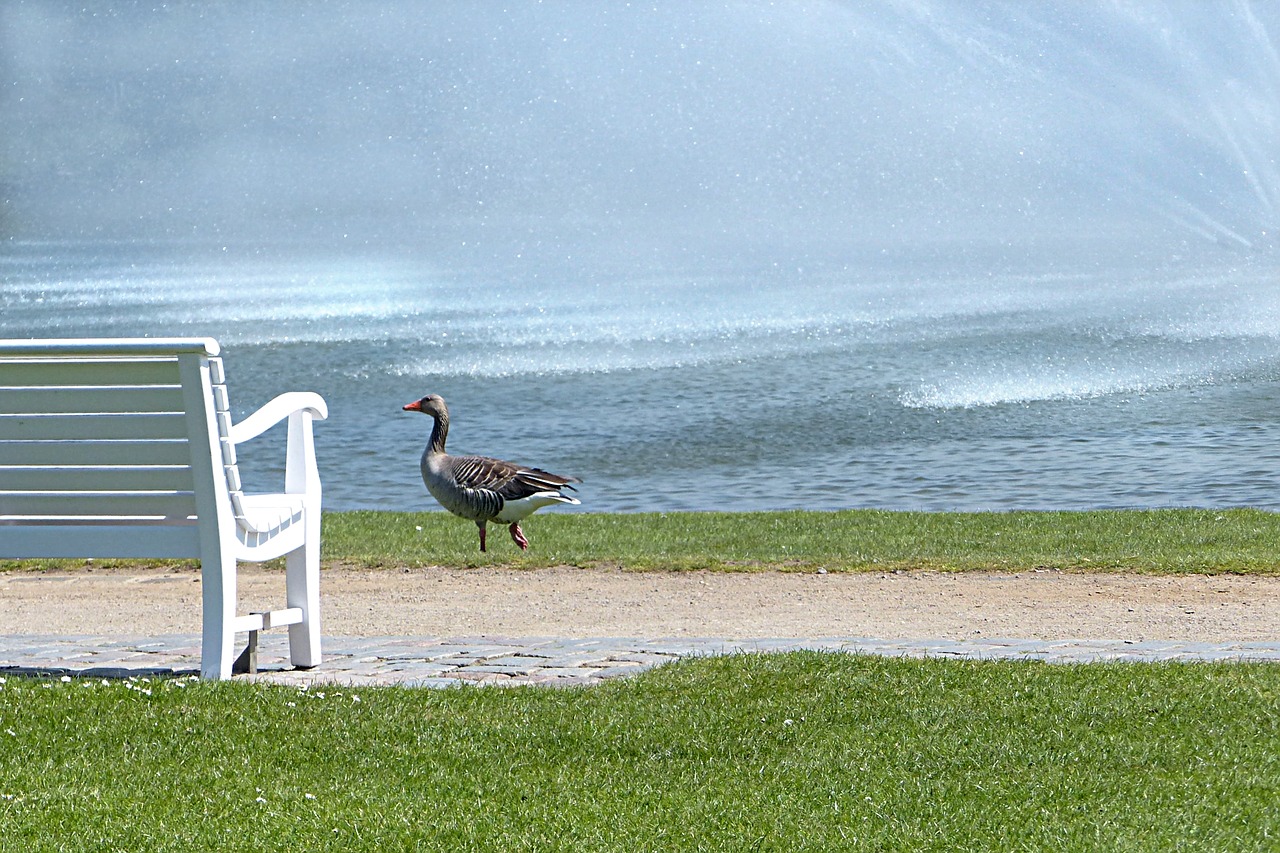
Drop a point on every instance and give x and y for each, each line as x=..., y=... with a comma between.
x=125, y=448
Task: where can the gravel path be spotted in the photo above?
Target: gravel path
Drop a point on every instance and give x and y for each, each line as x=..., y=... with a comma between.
x=570, y=626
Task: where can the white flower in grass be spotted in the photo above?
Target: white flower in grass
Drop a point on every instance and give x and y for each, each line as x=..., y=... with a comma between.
x=309, y=796
x=66, y=679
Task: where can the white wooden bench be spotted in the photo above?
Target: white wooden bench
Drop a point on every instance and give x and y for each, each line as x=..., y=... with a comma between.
x=124, y=448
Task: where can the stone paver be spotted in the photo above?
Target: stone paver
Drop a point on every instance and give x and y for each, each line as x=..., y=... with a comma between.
x=446, y=661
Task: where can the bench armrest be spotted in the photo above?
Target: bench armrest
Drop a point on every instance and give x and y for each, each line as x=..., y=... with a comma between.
x=277, y=410
x=300, y=408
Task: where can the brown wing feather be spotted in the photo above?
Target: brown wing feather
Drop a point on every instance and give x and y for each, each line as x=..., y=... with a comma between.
x=482, y=472
x=530, y=481
x=508, y=480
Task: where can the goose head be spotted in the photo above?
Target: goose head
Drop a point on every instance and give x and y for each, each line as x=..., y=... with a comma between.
x=432, y=404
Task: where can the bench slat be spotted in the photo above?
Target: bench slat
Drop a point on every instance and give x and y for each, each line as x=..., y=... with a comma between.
x=124, y=478
x=92, y=427
x=79, y=373
x=48, y=401
x=97, y=504
x=107, y=347
x=81, y=541
x=169, y=452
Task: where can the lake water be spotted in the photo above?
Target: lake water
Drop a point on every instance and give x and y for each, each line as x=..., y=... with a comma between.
x=917, y=254
x=939, y=385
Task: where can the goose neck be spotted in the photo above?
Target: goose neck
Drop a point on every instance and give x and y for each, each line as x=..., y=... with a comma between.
x=439, y=432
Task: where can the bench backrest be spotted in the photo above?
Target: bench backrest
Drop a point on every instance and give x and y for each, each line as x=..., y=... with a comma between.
x=112, y=448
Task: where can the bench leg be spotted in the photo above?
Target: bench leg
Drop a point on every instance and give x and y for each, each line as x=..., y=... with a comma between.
x=302, y=589
x=247, y=663
x=218, y=588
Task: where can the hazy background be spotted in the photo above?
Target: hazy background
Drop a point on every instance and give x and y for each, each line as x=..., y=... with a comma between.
x=644, y=133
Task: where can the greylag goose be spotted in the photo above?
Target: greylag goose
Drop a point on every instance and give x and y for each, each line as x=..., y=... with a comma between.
x=484, y=489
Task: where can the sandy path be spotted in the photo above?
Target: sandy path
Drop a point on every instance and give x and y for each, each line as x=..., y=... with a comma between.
x=594, y=603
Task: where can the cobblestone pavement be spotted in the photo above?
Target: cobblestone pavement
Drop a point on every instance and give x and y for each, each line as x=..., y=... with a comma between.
x=445, y=661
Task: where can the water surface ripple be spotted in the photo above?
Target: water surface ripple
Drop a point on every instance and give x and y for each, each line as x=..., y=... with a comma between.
x=741, y=390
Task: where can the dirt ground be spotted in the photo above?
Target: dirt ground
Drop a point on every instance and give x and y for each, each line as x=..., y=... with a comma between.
x=569, y=602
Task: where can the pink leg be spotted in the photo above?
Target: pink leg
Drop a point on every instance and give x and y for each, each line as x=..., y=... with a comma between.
x=517, y=536
x=480, y=524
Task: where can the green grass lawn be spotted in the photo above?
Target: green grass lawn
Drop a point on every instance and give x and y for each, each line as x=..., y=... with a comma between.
x=804, y=751
x=801, y=751
x=855, y=540
x=1169, y=540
